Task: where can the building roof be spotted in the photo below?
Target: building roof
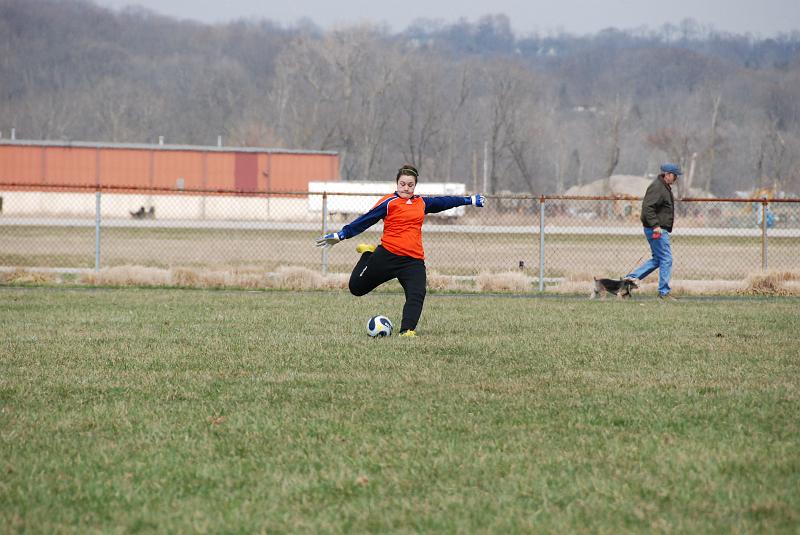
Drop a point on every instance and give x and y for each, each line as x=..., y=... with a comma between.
x=154, y=146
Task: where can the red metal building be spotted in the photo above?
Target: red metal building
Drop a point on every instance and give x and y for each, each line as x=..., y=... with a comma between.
x=82, y=164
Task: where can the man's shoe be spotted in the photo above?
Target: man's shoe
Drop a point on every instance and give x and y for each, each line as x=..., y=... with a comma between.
x=667, y=297
x=365, y=248
x=409, y=332
x=631, y=279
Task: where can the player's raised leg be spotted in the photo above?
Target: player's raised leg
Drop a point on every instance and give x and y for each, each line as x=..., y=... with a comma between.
x=371, y=270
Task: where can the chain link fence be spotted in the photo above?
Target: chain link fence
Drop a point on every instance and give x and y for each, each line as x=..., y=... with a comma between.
x=548, y=237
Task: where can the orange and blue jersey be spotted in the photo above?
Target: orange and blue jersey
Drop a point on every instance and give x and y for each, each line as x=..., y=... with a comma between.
x=402, y=221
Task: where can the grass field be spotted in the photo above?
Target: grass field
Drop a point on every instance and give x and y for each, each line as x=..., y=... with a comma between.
x=131, y=410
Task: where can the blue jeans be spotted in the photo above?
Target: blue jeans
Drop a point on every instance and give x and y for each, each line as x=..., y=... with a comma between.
x=661, y=260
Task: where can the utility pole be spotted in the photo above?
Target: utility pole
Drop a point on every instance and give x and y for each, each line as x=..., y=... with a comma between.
x=485, y=167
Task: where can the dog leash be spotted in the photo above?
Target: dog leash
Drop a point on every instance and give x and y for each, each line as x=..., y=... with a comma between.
x=635, y=264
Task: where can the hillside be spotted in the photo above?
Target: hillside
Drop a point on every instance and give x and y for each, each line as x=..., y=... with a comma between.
x=548, y=111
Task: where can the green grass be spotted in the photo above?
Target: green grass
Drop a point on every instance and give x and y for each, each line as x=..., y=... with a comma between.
x=126, y=411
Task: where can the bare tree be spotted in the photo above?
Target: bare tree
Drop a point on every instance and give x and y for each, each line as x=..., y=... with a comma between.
x=46, y=113
x=617, y=116
x=435, y=94
x=713, y=141
x=502, y=94
x=430, y=99
x=336, y=93
x=301, y=97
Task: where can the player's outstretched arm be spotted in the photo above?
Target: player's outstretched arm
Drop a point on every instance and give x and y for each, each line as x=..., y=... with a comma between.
x=357, y=226
x=446, y=202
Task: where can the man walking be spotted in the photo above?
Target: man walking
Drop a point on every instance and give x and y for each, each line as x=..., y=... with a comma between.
x=658, y=214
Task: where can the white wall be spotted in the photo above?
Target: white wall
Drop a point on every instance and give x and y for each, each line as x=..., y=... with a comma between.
x=115, y=205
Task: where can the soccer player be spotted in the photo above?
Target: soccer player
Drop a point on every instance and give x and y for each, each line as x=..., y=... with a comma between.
x=400, y=254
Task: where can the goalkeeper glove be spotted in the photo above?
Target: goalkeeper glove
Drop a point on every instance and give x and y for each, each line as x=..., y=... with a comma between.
x=329, y=240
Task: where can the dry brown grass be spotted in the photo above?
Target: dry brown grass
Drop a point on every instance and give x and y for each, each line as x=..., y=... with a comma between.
x=679, y=287
x=437, y=281
x=508, y=281
x=580, y=276
x=24, y=276
x=285, y=277
x=302, y=278
x=128, y=276
x=297, y=278
x=216, y=278
x=767, y=283
x=773, y=283
x=701, y=287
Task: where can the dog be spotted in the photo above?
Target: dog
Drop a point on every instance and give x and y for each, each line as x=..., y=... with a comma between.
x=141, y=213
x=619, y=287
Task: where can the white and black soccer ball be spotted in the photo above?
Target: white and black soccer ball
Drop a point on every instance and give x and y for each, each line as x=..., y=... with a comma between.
x=379, y=326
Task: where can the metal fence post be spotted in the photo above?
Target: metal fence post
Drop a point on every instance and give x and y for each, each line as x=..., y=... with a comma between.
x=97, y=219
x=541, y=243
x=764, y=235
x=324, y=231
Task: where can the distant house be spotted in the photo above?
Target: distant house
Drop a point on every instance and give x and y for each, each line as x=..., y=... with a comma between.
x=587, y=108
x=629, y=185
x=625, y=186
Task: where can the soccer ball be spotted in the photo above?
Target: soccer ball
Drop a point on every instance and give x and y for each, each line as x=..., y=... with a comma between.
x=379, y=326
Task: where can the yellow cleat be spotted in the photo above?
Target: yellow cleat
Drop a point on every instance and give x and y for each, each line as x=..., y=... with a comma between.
x=409, y=333
x=365, y=248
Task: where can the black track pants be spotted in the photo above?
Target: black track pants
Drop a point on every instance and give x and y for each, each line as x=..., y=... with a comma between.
x=373, y=269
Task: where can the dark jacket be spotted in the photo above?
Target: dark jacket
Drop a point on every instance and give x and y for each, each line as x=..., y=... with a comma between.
x=658, y=205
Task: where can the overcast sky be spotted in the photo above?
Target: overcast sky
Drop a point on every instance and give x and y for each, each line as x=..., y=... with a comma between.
x=763, y=18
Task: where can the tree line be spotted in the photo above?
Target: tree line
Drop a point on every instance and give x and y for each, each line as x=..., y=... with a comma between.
x=467, y=101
